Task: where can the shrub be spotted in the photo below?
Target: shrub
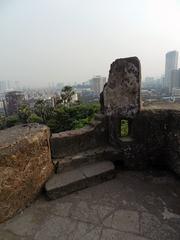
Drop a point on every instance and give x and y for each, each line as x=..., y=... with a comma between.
x=34, y=118
x=12, y=121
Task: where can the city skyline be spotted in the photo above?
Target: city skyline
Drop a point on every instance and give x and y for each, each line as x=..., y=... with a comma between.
x=70, y=41
x=52, y=84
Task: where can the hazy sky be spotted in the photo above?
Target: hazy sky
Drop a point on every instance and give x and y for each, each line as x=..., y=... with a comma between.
x=71, y=40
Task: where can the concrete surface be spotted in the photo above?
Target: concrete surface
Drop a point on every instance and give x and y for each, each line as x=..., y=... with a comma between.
x=134, y=206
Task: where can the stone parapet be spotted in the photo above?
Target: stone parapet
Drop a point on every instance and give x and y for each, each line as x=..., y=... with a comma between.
x=25, y=165
x=74, y=141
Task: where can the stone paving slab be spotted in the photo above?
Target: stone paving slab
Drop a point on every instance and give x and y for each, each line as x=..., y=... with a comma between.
x=134, y=206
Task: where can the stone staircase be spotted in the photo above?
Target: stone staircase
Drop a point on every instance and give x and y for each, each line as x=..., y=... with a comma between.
x=80, y=171
x=99, y=154
x=82, y=159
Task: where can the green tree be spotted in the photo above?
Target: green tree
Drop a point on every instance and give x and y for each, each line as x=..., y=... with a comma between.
x=72, y=117
x=34, y=118
x=43, y=110
x=24, y=113
x=54, y=125
x=66, y=95
x=12, y=121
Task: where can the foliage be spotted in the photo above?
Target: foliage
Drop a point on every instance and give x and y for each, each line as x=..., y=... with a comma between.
x=81, y=123
x=66, y=95
x=124, y=128
x=34, y=118
x=75, y=116
x=24, y=113
x=53, y=124
x=62, y=117
x=12, y=121
x=43, y=110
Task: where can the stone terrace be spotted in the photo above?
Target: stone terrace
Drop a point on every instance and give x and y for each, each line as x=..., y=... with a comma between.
x=134, y=206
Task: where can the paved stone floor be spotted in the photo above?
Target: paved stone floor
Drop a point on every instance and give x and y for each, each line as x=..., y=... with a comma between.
x=134, y=206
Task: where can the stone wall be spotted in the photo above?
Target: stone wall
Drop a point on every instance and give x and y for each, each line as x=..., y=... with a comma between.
x=173, y=140
x=154, y=141
x=25, y=165
x=147, y=145
x=74, y=141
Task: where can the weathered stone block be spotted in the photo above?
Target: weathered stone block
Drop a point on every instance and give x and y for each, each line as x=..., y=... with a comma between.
x=121, y=94
x=25, y=165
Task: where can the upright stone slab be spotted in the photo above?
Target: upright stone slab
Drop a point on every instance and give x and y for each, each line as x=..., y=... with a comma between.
x=121, y=94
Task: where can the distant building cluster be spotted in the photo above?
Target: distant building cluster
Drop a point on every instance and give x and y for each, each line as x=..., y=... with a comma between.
x=90, y=90
x=97, y=84
x=167, y=87
x=9, y=85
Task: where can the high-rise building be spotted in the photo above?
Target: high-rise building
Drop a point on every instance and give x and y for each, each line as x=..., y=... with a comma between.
x=14, y=99
x=171, y=64
x=97, y=84
x=175, y=79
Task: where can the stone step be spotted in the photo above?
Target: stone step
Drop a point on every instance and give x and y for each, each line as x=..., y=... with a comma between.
x=104, y=153
x=68, y=182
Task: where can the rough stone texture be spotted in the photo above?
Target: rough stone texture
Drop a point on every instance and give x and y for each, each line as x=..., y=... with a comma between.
x=134, y=206
x=71, y=142
x=173, y=140
x=25, y=165
x=155, y=141
x=122, y=91
x=121, y=94
x=65, y=183
x=148, y=145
